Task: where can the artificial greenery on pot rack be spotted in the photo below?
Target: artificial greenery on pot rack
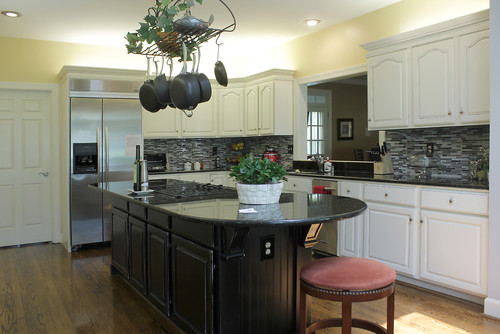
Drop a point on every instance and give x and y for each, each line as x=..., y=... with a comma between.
x=159, y=22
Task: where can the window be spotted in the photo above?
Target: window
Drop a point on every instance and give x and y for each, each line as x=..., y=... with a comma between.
x=317, y=122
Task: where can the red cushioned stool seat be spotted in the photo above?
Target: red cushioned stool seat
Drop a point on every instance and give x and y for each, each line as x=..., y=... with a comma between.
x=348, y=280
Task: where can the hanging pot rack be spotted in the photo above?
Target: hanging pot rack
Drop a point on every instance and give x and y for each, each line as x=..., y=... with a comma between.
x=170, y=44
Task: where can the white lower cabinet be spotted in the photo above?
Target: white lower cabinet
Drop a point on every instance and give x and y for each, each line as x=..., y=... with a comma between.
x=350, y=231
x=389, y=236
x=298, y=184
x=454, y=239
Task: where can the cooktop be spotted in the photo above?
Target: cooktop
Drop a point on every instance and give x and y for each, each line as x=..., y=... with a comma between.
x=182, y=190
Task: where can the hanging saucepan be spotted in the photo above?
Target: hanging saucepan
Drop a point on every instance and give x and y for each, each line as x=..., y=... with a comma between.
x=162, y=105
x=184, y=88
x=147, y=94
x=220, y=70
x=162, y=86
x=205, y=87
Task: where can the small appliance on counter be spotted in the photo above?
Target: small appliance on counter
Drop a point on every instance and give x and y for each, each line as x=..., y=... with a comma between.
x=271, y=154
x=157, y=162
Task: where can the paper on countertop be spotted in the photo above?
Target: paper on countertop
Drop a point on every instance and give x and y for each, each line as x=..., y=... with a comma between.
x=249, y=210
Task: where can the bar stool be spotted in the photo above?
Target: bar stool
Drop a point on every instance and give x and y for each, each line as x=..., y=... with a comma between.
x=348, y=280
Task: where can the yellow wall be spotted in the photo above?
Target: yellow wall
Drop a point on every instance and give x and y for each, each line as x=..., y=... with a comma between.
x=25, y=60
x=339, y=46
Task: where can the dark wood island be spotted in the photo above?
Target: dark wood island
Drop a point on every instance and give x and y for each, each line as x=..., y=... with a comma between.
x=211, y=264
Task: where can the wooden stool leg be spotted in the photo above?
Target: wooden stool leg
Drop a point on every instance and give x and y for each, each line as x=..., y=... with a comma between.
x=390, y=313
x=346, y=315
x=303, y=312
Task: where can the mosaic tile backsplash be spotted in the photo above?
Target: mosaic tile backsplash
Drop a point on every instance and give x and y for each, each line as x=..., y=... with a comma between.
x=455, y=147
x=201, y=149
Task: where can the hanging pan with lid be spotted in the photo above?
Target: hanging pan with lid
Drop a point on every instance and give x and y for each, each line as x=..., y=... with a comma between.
x=185, y=89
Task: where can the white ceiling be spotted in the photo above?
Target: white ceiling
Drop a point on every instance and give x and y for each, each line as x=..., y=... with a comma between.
x=260, y=23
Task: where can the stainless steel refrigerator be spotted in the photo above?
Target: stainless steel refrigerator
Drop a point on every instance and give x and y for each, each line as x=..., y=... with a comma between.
x=104, y=132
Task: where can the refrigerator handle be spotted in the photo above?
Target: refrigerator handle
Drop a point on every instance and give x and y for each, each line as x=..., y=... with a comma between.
x=99, y=154
x=107, y=153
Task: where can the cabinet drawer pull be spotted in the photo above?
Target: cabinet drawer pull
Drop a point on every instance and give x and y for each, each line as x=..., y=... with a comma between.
x=461, y=112
x=348, y=191
x=411, y=219
x=386, y=195
x=450, y=201
x=449, y=113
x=421, y=221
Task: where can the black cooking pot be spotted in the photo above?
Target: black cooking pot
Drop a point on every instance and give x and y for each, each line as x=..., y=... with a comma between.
x=147, y=95
x=184, y=89
x=162, y=86
x=205, y=87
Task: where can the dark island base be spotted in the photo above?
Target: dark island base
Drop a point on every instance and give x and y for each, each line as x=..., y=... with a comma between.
x=211, y=279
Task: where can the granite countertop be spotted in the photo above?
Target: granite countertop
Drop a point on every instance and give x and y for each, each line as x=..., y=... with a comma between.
x=453, y=182
x=293, y=208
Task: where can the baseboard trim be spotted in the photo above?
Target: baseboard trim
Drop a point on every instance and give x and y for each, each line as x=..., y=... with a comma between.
x=492, y=307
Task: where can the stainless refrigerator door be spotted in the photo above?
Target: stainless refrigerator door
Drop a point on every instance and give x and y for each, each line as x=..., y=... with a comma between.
x=122, y=129
x=86, y=204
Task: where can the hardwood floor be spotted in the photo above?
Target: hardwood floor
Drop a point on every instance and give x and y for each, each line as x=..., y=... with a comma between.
x=44, y=289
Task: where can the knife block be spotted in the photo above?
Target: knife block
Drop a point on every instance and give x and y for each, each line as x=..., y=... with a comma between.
x=384, y=166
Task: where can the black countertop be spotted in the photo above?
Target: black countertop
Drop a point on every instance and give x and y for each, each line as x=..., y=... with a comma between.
x=293, y=208
x=401, y=179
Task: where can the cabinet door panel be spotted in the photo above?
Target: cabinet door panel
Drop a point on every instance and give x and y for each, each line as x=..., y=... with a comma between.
x=138, y=254
x=231, y=112
x=388, y=91
x=389, y=236
x=120, y=241
x=266, y=109
x=203, y=122
x=252, y=110
x=433, y=83
x=164, y=123
x=158, y=268
x=475, y=78
x=192, y=281
x=454, y=250
x=351, y=230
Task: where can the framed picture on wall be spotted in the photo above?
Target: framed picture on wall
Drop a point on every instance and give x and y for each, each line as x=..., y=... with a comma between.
x=345, y=129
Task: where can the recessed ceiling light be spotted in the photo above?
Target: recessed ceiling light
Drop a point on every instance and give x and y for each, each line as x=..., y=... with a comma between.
x=10, y=13
x=312, y=22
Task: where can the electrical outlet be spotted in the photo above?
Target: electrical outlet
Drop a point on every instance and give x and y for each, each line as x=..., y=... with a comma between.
x=267, y=247
x=290, y=149
x=429, y=149
x=214, y=150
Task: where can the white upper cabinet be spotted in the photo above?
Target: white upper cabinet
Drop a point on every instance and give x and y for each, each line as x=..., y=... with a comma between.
x=248, y=107
x=475, y=77
x=445, y=83
x=231, y=112
x=433, y=83
x=388, y=91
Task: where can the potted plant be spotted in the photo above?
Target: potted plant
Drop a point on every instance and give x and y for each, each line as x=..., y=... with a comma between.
x=258, y=180
x=161, y=22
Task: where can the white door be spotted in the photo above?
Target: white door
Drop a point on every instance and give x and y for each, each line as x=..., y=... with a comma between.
x=25, y=192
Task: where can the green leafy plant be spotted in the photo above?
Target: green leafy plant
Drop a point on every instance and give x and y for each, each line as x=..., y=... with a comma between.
x=160, y=19
x=252, y=170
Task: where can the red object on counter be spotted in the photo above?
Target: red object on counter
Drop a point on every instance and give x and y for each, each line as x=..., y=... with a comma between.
x=271, y=155
x=320, y=190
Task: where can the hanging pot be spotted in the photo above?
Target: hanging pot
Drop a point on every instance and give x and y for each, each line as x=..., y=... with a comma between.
x=147, y=94
x=220, y=70
x=185, y=89
x=205, y=87
x=162, y=87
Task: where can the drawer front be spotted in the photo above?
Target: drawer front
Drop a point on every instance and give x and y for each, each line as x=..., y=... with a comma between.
x=454, y=201
x=391, y=195
x=137, y=210
x=351, y=189
x=298, y=184
x=203, y=234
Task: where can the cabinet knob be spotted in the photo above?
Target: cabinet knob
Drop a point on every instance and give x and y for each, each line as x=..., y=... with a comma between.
x=449, y=112
x=348, y=191
x=369, y=119
x=461, y=112
x=386, y=195
x=450, y=201
x=411, y=219
x=421, y=221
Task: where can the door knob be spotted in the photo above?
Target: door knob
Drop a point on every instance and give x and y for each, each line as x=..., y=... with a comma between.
x=44, y=174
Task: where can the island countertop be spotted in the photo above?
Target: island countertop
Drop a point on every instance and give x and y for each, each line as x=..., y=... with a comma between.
x=168, y=195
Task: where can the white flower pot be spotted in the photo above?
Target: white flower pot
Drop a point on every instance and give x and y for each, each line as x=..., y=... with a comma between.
x=268, y=193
